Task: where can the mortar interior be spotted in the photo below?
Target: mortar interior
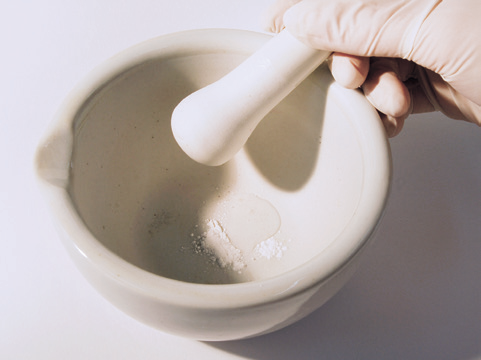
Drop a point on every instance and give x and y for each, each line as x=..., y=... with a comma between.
x=297, y=181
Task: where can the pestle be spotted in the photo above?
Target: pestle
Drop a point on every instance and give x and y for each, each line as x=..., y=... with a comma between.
x=213, y=124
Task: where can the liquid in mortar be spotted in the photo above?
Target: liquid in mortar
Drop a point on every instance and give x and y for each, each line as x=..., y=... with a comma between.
x=241, y=234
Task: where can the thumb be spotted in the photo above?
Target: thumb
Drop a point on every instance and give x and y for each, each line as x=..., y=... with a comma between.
x=362, y=28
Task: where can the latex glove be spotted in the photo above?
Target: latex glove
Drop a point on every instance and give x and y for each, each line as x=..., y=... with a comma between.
x=409, y=56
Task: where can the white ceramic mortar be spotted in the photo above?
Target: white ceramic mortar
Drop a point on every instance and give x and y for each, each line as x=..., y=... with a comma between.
x=129, y=204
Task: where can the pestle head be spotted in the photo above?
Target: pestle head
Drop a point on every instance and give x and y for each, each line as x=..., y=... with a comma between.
x=211, y=127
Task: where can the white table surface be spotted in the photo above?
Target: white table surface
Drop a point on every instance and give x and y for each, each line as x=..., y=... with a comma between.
x=417, y=295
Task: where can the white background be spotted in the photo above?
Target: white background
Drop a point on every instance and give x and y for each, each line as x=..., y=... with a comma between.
x=416, y=296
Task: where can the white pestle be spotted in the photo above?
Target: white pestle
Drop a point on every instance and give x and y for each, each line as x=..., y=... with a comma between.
x=213, y=124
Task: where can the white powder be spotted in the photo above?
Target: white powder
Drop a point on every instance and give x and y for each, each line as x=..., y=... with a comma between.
x=216, y=243
x=270, y=248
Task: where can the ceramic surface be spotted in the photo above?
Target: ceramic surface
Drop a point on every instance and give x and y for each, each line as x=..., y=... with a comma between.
x=133, y=210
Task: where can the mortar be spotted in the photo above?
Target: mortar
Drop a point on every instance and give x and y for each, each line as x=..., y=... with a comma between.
x=212, y=253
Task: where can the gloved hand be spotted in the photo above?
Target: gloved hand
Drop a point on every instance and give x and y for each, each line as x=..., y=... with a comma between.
x=408, y=56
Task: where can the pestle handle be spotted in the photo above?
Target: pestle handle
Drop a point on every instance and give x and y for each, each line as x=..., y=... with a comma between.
x=213, y=124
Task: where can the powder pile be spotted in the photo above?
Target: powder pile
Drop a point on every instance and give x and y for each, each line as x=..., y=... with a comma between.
x=216, y=243
x=270, y=248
